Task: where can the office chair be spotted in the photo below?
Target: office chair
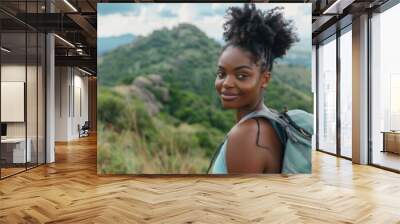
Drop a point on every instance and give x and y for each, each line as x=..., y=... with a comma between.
x=84, y=130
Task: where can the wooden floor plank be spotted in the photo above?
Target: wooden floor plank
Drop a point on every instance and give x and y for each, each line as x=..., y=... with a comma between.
x=69, y=191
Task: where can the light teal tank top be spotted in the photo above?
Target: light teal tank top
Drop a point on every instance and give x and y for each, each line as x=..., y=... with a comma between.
x=219, y=164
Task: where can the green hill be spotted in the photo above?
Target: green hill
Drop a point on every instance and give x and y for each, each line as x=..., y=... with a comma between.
x=184, y=56
x=186, y=59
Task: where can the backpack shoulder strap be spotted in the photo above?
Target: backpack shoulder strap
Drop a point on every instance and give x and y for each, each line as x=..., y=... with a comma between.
x=273, y=117
x=286, y=123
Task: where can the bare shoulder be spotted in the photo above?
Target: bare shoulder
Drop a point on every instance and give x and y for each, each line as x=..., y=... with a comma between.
x=247, y=155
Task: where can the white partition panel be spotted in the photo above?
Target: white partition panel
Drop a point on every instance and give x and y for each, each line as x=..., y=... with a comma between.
x=12, y=101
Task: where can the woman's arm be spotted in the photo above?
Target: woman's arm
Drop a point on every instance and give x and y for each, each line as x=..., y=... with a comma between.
x=244, y=156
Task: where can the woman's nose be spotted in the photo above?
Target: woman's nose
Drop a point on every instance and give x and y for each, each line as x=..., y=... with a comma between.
x=228, y=81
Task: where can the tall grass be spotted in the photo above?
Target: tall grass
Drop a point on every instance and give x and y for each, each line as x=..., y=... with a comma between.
x=175, y=150
x=132, y=142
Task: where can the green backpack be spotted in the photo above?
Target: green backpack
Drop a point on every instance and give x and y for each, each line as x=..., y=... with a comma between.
x=295, y=128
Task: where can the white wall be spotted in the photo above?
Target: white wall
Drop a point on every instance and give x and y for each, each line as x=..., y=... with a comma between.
x=12, y=73
x=79, y=115
x=62, y=81
x=71, y=93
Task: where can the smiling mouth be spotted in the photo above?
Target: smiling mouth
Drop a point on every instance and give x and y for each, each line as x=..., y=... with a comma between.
x=229, y=97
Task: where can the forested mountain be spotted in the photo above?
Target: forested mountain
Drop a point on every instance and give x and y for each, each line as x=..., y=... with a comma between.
x=186, y=59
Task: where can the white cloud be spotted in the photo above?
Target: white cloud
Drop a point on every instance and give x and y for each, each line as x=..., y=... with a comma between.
x=160, y=7
x=186, y=13
x=143, y=24
x=142, y=15
x=212, y=26
x=215, y=6
x=295, y=12
x=149, y=19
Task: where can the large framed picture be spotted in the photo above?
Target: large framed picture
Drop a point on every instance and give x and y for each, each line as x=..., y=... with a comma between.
x=196, y=88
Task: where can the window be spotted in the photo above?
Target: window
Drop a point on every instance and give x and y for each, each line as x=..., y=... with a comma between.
x=327, y=96
x=346, y=93
x=385, y=89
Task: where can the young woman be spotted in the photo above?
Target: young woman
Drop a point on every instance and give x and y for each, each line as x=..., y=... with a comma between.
x=254, y=39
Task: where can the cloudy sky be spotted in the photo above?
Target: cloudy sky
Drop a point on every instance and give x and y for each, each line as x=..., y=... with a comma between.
x=116, y=19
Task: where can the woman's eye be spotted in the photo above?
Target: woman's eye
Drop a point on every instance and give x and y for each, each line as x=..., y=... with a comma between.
x=220, y=74
x=241, y=76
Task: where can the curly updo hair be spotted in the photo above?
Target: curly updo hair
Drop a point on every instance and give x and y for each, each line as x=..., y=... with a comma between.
x=266, y=35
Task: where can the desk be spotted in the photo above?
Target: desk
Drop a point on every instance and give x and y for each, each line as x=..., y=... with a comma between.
x=16, y=147
x=391, y=141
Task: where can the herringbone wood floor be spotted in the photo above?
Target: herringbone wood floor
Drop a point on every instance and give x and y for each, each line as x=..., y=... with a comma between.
x=69, y=191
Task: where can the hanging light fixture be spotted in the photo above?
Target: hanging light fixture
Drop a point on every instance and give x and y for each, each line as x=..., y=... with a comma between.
x=5, y=50
x=70, y=5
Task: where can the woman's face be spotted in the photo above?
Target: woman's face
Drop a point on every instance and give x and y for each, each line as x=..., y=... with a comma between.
x=239, y=81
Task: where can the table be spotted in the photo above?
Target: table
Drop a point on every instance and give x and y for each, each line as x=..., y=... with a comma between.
x=15, y=148
x=391, y=141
